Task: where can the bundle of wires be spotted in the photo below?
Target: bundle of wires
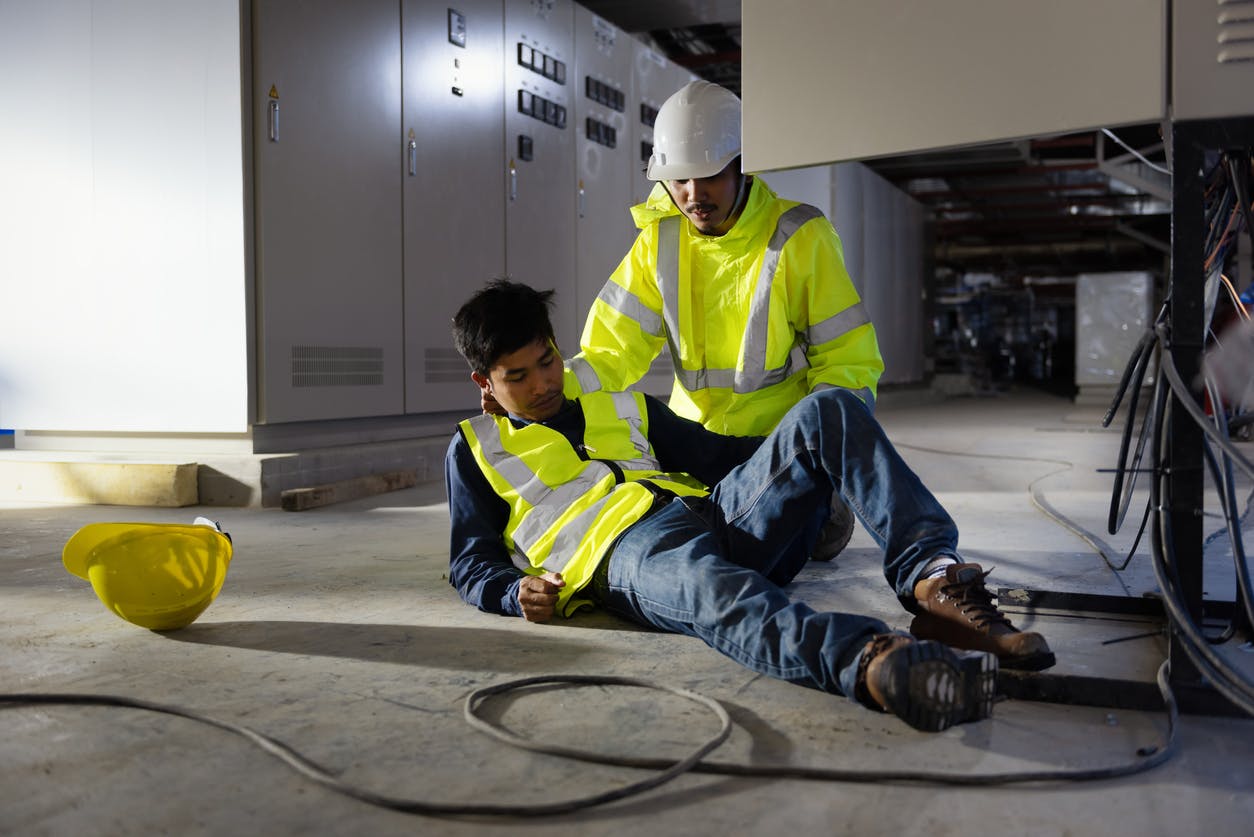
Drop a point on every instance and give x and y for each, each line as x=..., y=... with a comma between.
x=1228, y=213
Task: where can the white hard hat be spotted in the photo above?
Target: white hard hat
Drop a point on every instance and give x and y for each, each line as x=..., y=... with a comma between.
x=696, y=134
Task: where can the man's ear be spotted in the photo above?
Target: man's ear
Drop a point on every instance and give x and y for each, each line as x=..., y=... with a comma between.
x=483, y=381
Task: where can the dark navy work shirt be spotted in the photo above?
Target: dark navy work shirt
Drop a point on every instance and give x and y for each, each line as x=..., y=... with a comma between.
x=479, y=565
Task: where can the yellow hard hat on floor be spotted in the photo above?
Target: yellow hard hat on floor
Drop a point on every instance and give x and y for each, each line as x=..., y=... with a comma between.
x=160, y=576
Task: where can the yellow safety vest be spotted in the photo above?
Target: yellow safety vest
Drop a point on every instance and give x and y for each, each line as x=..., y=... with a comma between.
x=567, y=505
x=754, y=320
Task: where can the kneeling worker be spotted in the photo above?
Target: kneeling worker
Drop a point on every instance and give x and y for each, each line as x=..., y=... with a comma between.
x=614, y=500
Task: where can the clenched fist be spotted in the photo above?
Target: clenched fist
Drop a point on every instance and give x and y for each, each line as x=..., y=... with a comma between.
x=538, y=596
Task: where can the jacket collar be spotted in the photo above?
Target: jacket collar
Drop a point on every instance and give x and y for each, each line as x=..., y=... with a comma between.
x=659, y=205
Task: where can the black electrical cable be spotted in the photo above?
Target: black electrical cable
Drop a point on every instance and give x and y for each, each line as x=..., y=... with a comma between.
x=316, y=773
x=1184, y=397
x=1230, y=684
x=1230, y=516
x=1104, y=550
x=1224, y=482
x=1138, y=351
x=1121, y=494
x=1239, y=184
x=1148, y=757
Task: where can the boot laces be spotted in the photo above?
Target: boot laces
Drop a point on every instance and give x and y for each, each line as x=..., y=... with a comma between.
x=975, y=602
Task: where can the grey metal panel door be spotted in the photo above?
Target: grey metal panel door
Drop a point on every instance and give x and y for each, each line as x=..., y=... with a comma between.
x=539, y=171
x=654, y=79
x=454, y=204
x=603, y=156
x=326, y=91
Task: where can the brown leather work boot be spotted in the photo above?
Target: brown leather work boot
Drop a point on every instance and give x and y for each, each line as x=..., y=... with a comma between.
x=927, y=685
x=958, y=610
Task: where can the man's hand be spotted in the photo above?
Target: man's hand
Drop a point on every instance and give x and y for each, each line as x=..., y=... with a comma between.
x=490, y=404
x=538, y=596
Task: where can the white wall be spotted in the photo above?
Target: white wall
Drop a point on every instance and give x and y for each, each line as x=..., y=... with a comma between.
x=123, y=301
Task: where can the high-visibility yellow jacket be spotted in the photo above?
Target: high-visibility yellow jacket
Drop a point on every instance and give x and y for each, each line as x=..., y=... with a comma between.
x=754, y=319
x=567, y=505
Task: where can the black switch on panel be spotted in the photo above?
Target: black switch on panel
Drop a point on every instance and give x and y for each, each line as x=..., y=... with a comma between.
x=525, y=148
x=559, y=72
x=524, y=55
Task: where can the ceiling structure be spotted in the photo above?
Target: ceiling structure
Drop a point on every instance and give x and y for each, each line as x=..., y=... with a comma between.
x=1093, y=201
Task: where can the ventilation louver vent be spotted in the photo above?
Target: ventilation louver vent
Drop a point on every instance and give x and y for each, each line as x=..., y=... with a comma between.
x=445, y=366
x=1236, y=31
x=337, y=366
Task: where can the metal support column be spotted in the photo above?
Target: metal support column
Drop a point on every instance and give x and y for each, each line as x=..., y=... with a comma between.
x=1183, y=456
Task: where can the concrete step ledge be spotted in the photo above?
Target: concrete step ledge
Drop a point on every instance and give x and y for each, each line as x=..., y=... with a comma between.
x=169, y=485
x=173, y=480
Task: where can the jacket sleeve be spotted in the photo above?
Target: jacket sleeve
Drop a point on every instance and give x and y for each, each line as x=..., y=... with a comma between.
x=623, y=333
x=479, y=566
x=841, y=345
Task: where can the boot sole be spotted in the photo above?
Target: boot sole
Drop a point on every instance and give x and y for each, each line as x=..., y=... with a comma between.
x=927, y=626
x=931, y=687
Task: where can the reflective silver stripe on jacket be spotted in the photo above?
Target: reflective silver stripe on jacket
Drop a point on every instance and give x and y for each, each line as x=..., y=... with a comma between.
x=549, y=504
x=626, y=408
x=629, y=305
x=754, y=376
x=837, y=325
x=668, y=283
x=584, y=374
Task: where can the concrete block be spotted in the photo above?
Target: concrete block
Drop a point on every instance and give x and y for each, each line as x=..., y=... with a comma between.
x=168, y=485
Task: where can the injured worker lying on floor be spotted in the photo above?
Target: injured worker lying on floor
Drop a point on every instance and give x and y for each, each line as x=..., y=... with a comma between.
x=612, y=500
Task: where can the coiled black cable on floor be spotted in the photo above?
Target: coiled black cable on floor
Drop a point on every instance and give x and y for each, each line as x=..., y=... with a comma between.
x=1148, y=757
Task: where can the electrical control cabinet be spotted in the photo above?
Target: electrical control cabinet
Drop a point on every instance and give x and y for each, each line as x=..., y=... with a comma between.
x=406, y=153
x=454, y=206
x=603, y=158
x=1212, y=58
x=654, y=79
x=326, y=112
x=539, y=176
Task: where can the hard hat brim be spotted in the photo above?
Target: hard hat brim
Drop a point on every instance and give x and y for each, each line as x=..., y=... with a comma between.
x=685, y=171
x=77, y=552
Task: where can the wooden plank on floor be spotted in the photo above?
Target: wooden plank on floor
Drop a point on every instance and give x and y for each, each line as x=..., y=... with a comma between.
x=300, y=499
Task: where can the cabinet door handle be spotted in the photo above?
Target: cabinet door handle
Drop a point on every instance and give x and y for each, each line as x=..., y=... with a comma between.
x=582, y=200
x=513, y=181
x=274, y=120
x=413, y=158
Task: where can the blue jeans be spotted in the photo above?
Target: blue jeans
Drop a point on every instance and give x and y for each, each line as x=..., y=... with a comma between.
x=714, y=567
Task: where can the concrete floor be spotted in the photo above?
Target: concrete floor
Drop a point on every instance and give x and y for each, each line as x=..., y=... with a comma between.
x=337, y=633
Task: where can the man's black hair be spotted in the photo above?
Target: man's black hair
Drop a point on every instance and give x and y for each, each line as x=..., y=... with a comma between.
x=502, y=317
